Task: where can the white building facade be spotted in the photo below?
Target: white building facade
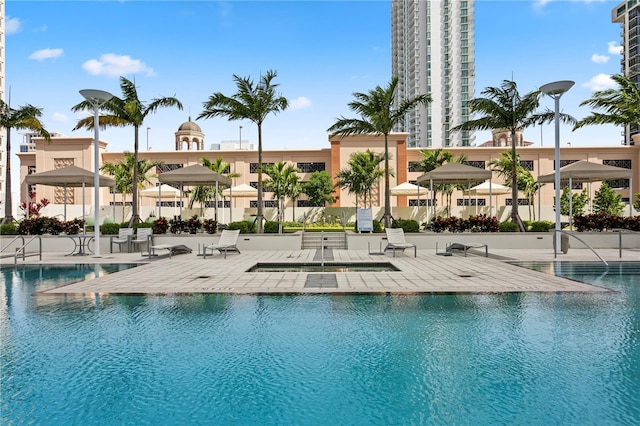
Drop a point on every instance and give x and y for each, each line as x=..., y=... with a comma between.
x=433, y=52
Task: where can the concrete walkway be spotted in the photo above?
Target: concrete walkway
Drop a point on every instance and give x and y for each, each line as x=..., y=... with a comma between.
x=428, y=273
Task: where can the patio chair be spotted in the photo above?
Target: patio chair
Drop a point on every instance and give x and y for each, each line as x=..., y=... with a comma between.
x=227, y=242
x=123, y=237
x=143, y=236
x=396, y=241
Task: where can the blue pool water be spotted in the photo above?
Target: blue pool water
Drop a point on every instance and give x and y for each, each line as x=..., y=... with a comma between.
x=523, y=358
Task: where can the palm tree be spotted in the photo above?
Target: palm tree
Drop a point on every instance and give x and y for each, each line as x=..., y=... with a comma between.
x=620, y=106
x=253, y=102
x=124, y=171
x=361, y=176
x=281, y=181
x=24, y=118
x=378, y=116
x=504, y=108
x=122, y=112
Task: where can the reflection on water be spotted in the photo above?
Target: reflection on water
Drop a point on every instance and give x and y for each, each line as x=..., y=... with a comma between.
x=320, y=359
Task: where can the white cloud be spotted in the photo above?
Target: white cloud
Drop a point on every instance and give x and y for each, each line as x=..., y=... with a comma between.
x=41, y=55
x=614, y=48
x=600, y=82
x=599, y=59
x=12, y=25
x=300, y=103
x=113, y=65
x=59, y=117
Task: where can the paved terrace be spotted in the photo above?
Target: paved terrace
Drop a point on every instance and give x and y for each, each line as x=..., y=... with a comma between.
x=428, y=273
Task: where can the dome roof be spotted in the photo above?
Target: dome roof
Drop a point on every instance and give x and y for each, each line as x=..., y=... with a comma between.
x=190, y=125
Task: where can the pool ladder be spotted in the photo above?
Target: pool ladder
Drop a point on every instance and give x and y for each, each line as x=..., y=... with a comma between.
x=555, y=253
x=21, y=251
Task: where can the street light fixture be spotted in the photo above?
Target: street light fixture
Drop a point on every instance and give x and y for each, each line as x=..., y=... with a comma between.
x=148, y=128
x=240, y=138
x=555, y=90
x=97, y=98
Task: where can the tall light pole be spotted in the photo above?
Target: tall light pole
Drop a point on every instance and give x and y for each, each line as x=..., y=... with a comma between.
x=240, y=139
x=555, y=90
x=96, y=98
x=148, y=128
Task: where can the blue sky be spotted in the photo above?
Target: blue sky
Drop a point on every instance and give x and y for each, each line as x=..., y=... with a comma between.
x=323, y=51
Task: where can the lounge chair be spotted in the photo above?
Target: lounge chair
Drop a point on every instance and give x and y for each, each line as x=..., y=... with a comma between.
x=462, y=247
x=123, y=237
x=143, y=236
x=396, y=241
x=227, y=242
x=171, y=248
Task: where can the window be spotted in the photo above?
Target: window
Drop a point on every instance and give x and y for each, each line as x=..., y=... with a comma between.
x=311, y=167
x=527, y=165
x=471, y=202
x=253, y=167
x=618, y=183
x=265, y=203
x=521, y=202
x=478, y=164
x=625, y=164
x=307, y=203
x=413, y=166
x=221, y=204
x=163, y=168
x=31, y=170
x=423, y=202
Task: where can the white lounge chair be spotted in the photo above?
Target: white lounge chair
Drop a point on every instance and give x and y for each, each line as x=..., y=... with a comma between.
x=124, y=237
x=227, y=242
x=143, y=236
x=396, y=241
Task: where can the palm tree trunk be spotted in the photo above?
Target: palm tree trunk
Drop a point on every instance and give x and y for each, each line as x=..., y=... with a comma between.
x=259, y=213
x=8, y=216
x=387, y=191
x=515, y=218
x=135, y=218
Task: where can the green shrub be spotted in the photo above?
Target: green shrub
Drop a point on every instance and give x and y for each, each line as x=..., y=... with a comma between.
x=508, y=227
x=407, y=225
x=243, y=226
x=110, y=228
x=142, y=225
x=8, y=229
x=540, y=226
x=271, y=227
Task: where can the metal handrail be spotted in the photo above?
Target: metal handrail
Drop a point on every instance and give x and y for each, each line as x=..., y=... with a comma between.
x=23, y=249
x=555, y=252
x=12, y=241
x=621, y=231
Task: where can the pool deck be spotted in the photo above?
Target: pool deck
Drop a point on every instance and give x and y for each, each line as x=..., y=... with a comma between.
x=428, y=273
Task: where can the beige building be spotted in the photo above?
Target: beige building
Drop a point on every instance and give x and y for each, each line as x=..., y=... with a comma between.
x=63, y=151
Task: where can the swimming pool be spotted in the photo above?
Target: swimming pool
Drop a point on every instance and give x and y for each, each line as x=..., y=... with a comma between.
x=519, y=358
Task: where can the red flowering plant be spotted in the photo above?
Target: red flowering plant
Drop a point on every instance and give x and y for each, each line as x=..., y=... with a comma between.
x=34, y=207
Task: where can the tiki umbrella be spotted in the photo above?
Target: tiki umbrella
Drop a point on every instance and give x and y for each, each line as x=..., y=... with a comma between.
x=242, y=190
x=489, y=188
x=163, y=191
x=407, y=188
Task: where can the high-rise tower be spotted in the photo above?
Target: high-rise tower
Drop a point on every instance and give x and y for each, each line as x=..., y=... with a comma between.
x=627, y=14
x=433, y=52
x=3, y=148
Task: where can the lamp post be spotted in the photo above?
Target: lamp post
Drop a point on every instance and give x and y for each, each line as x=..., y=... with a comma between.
x=96, y=98
x=240, y=139
x=148, y=128
x=555, y=90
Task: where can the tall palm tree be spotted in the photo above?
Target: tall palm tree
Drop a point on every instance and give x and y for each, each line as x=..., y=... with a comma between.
x=253, y=102
x=282, y=178
x=378, y=116
x=620, y=106
x=26, y=117
x=504, y=108
x=122, y=112
x=124, y=172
